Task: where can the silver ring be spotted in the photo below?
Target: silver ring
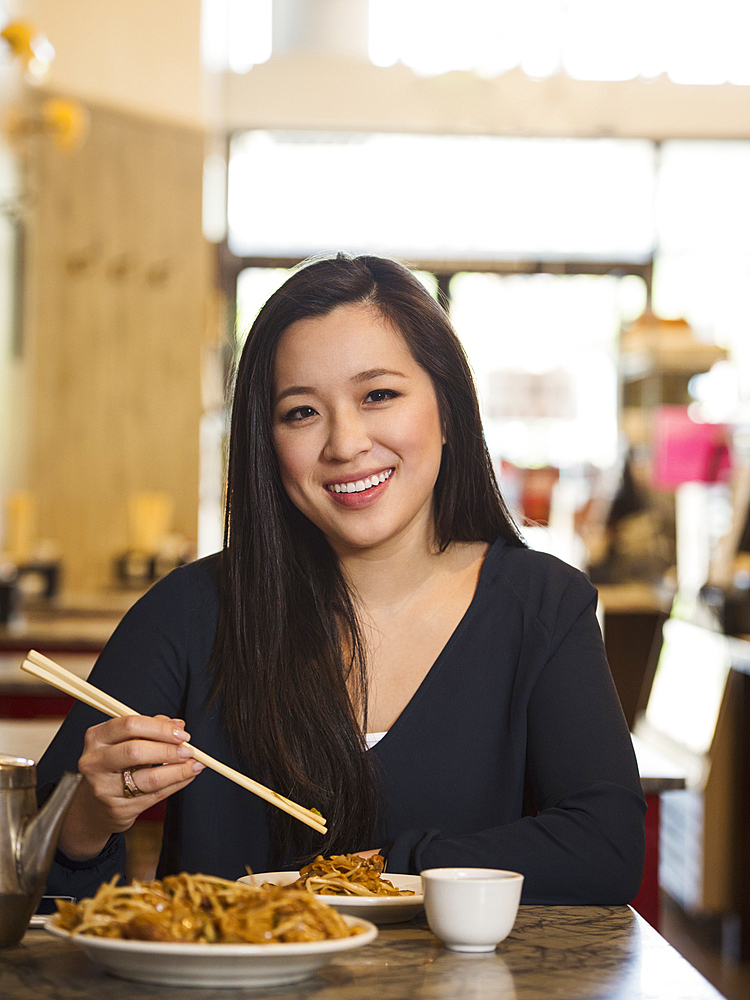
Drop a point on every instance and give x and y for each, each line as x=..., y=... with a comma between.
x=130, y=789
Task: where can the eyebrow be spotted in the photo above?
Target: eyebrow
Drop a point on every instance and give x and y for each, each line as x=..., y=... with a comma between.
x=376, y=373
x=368, y=376
x=295, y=390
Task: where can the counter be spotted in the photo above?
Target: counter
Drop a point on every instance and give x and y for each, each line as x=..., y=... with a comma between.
x=632, y=615
x=608, y=953
x=74, y=623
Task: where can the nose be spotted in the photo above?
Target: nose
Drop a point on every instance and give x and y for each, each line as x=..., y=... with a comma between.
x=347, y=437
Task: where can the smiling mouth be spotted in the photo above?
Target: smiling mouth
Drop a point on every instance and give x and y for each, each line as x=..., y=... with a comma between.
x=360, y=485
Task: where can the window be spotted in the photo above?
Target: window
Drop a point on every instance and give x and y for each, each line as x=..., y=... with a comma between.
x=440, y=197
x=544, y=351
x=467, y=206
x=702, y=216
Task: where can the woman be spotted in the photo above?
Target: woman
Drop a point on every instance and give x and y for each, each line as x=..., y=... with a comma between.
x=372, y=591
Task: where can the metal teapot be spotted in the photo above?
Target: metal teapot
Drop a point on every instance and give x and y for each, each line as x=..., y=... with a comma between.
x=27, y=841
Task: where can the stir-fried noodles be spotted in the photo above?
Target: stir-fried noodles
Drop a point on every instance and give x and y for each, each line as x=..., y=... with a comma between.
x=203, y=909
x=347, y=875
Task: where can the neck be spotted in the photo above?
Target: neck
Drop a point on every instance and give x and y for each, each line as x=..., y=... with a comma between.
x=386, y=583
x=392, y=573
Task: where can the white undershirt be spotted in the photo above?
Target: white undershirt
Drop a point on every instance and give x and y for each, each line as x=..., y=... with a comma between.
x=372, y=738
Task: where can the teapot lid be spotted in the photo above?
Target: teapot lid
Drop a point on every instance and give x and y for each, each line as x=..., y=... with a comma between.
x=17, y=772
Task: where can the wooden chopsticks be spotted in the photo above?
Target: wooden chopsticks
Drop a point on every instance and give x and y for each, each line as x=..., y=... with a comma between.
x=52, y=673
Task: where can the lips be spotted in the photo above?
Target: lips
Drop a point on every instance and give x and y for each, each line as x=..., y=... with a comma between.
x=356, y=494
x=360, y=485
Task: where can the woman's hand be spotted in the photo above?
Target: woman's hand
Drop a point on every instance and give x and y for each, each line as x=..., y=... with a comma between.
x=102, y=805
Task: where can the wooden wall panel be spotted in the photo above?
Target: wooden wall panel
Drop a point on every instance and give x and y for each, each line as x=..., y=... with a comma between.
x=119, y=276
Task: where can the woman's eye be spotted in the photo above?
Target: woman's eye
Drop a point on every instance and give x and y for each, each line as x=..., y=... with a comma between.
x=299, y=413
x=380, y=395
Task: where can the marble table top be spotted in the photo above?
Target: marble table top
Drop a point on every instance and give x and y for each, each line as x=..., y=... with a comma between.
x=565, y=952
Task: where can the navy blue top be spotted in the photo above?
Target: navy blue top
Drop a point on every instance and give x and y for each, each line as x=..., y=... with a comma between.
x=522, y=690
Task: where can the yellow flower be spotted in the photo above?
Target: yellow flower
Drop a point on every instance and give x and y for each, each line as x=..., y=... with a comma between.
x=66, y=121
x=19, y=35
x=31, y=47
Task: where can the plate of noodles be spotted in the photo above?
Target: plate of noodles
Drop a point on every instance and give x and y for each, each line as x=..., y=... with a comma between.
x=353, y=886
x=198, y=930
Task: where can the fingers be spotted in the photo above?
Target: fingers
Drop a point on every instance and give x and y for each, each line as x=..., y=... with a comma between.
x=141, y=753
x=145, y=727
x=106, y=790
x=110, y=810
x=138, y=744
x=135, y=741
x=157, y=783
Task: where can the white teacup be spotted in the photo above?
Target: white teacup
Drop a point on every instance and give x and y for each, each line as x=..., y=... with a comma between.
x=471, y=909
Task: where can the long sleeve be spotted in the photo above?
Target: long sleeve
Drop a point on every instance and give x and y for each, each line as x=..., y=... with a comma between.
x=541, y=680
x=146, y=665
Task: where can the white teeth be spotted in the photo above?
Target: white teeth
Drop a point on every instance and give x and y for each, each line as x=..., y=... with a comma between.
x=360, y=484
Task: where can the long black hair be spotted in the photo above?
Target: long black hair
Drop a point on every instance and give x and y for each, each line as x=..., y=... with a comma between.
x=288, y=665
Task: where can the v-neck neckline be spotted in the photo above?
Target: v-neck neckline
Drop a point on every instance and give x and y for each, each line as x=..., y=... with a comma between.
x=437, y=664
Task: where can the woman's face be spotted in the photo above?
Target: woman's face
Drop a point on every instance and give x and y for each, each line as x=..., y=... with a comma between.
x=357, y=430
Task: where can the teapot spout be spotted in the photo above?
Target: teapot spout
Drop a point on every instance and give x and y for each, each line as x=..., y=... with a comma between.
x=37, y=846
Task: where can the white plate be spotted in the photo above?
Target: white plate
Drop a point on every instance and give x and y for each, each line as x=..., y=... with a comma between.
x=379, y=909
x=230, y=965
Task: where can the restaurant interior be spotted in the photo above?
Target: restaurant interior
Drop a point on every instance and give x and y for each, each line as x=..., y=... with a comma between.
x=568, y=178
